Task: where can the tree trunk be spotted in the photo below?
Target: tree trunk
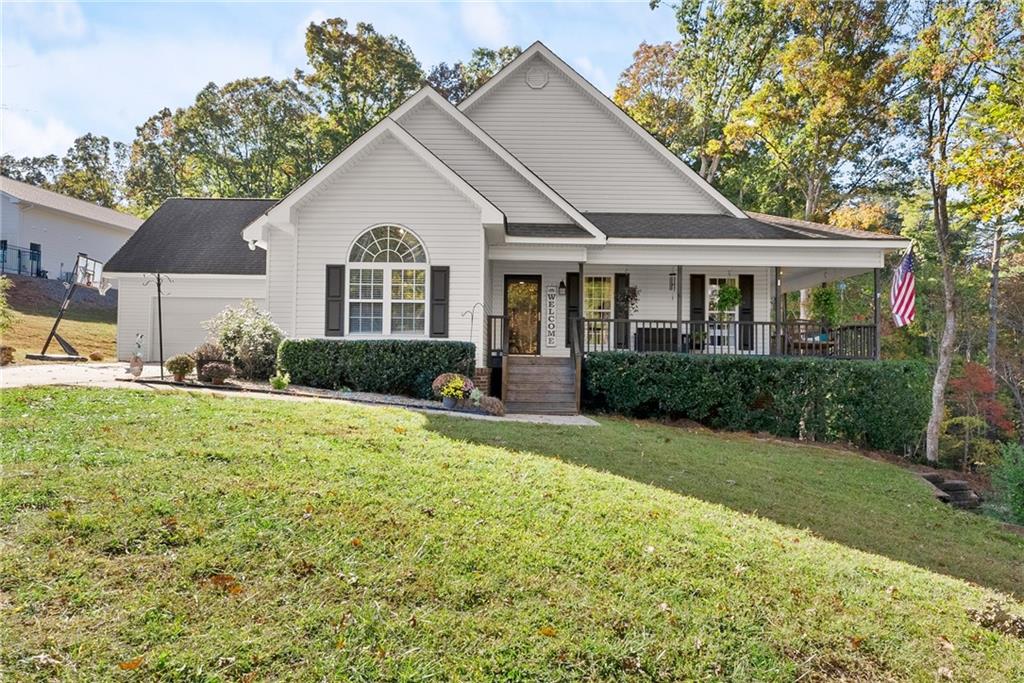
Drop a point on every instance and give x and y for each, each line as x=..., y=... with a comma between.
x=949, y=327
x=810, y=207
x=993, y=299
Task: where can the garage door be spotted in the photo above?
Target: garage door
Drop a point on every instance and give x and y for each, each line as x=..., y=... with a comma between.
x=183, y=323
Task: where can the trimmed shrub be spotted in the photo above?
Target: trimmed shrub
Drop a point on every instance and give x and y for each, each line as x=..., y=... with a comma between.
x=1008, y=480
x=388, y=366
x=204, y=354
x=249, y=338
x=874, y=404
x=218, y=372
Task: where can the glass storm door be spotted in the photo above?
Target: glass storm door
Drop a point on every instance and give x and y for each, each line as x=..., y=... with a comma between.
x=522, y=306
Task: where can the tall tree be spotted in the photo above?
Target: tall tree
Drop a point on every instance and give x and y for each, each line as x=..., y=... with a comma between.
x=158, y=163
x=41, y=171
x=457, y=81
x=93, y=169
x=247, y=138
x=989, y=167
x=955, y=42
x=686, y=92
x=827, y=107
x=357, y=79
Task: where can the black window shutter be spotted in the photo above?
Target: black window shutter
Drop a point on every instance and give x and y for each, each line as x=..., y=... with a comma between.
x=746, y=312
x=439, y=285
x=334, y=314
x=696, y=296
x=621, y=309
x=572, y=301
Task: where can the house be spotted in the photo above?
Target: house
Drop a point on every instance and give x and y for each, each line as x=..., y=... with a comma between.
x=43, y=232
x=535, y=219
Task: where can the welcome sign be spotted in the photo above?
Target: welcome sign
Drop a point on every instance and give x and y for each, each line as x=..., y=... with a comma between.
x=550, y=309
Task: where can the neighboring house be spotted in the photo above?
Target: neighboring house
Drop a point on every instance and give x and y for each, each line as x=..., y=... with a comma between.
x=533, y=203
x=42, y=232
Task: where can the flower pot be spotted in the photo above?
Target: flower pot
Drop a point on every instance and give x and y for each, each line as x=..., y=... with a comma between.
x=448, y=402
x=217, y=382
x=179, y=378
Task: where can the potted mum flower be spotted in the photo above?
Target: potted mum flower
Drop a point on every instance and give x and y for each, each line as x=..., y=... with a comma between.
x=453, y=391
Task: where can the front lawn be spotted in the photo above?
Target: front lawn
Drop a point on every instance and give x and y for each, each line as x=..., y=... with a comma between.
x=186, y=537
x=842, y=496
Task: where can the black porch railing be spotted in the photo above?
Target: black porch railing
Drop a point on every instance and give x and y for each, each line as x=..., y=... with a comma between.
x=708, y=337
x=744, y=338
x=21, y=261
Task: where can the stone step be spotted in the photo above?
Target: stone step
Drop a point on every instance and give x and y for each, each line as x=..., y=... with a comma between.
x=933, y=477
x=955, y=485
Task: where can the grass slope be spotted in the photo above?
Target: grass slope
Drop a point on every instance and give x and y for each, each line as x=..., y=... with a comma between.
x=185, y=537
x=843, y=496
x=90, y=323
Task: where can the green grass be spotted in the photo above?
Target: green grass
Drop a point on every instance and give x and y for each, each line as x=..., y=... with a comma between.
x=842, y=496
x=201, y=539
x=88, y=332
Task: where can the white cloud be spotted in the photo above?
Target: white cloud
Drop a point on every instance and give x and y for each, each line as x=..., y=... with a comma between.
x=485, y=23
x=594, y=74
x=47, y=20
x=114, y=81
x=21, y=136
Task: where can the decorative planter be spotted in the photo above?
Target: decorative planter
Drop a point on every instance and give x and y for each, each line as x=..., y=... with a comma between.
x=179, y=378
x=217, y=382
x=448, y=402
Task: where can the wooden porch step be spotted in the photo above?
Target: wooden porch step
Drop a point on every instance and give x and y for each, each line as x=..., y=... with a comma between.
x=545, y=408
x=542, y=385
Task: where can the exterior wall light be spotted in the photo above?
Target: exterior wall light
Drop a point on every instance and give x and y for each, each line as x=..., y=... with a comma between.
x=561, y=288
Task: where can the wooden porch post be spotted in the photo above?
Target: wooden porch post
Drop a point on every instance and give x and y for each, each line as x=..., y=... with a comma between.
x=878, y=316
x=679, y=308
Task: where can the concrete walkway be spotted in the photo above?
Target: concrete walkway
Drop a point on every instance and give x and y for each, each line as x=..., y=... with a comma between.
x=110, y=375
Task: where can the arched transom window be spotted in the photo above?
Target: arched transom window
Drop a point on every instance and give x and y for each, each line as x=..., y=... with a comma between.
x=389, y=296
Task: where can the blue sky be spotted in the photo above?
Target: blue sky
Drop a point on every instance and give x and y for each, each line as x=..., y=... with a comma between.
x=70, y=68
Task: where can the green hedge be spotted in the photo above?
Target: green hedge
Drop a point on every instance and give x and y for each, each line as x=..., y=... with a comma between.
x=875, y=404
x=388, y=366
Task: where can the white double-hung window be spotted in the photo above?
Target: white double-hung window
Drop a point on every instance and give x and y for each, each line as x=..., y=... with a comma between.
x=387, y=283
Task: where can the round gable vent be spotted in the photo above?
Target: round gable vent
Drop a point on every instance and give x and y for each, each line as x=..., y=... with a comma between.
x=537, y=77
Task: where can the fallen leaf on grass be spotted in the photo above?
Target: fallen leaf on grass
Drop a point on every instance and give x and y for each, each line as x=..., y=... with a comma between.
x=131, y=664
x=945, y=644
x=357, y=542
x=547, y=631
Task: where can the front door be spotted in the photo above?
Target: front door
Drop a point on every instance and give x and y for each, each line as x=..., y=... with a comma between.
x=522, y=306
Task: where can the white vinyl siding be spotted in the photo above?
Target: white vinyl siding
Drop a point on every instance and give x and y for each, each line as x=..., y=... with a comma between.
x=281, y=278
x=61, y=236
x=189, y=299
x=389, y=184
x=578, y=147
x=479, y=166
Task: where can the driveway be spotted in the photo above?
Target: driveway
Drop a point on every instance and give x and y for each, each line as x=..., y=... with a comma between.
x=68, y=373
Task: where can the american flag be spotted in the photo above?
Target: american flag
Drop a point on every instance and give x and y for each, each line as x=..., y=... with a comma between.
x=902, y=294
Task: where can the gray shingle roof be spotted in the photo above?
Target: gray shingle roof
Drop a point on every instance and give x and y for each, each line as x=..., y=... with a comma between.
x=720, y=226
x=30, y=194
x=194, y=236
x=546, y=230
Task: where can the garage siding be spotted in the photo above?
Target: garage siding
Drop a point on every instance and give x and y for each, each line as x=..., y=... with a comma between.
x=136, y=309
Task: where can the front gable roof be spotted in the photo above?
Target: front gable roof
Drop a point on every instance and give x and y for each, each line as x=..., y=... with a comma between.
x=428, y=94
x=601, y=101
x=282, y=215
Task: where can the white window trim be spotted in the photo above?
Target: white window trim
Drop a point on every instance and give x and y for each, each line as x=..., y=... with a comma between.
x=386, y=302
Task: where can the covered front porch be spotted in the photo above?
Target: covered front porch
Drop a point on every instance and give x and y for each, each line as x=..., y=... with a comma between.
x=562, y=309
